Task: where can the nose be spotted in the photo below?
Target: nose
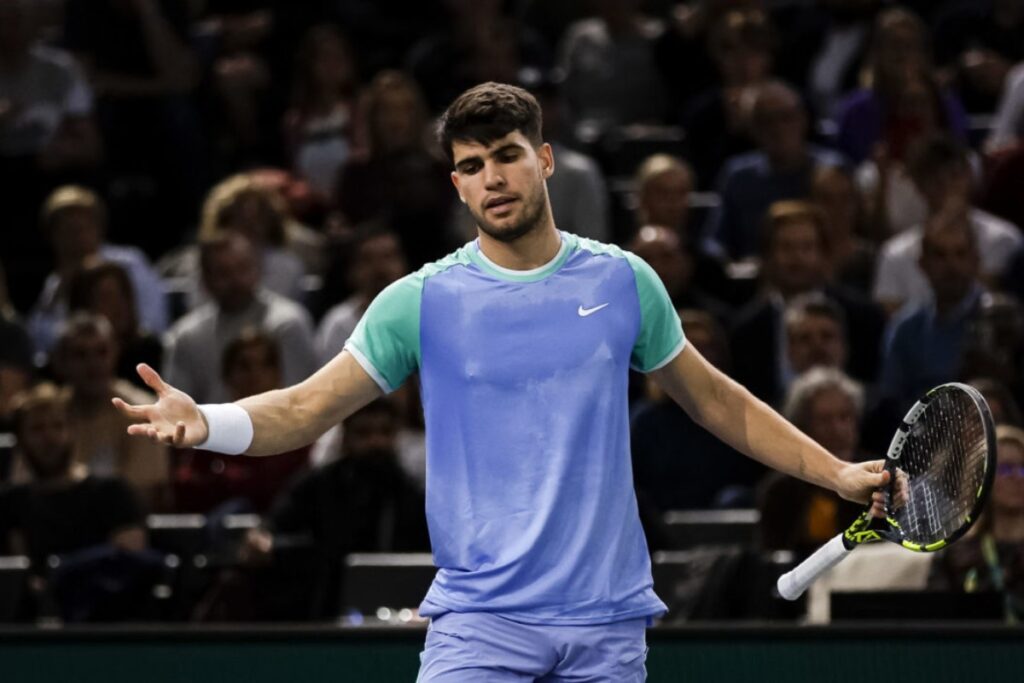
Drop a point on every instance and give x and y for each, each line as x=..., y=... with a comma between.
x=493, y=178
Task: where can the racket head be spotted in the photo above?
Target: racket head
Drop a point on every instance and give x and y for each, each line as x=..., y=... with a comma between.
x=945, y=452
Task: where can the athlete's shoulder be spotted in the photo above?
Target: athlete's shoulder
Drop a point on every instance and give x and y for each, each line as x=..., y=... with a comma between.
x=458, y=258
x=595, y=248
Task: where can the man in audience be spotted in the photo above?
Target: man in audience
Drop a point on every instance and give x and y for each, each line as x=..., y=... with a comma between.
x=74, y=219
x=782, y=168
x=941, y=170
x=815, y=333
x=85, y=359
x=231, y=274
x=795, y=263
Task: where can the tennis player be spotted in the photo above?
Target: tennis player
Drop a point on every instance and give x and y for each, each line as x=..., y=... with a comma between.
x=523, y=339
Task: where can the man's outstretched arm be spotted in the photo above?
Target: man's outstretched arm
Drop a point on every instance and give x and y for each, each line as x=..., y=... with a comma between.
x=734, y=415
x=282, y=420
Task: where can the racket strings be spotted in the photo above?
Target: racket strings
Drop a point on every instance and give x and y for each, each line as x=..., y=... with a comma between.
x=943, y=464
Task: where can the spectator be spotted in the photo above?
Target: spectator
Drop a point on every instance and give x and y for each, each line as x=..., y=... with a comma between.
x=361, y=502
x=925, y=343
x=16, y=370
x=991, y=558
x=376, y=261
x=794, y=263
x=1008, y=126
x=942, y=173
x=84, y=359
x=319, y=124
x=105, y=289
x=74, y=219
x=815, y=334
x=611, y=76
x=251, y=365
x=194, y=346
x=61, y=510
x=716, y=122
x=677, y=465
x=851, y=256
x=827, y=405
x=994, y=346
x=782, y=168
x=399, y=183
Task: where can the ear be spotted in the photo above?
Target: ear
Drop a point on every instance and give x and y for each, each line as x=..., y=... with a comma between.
x=455, y=182
x=547, y=160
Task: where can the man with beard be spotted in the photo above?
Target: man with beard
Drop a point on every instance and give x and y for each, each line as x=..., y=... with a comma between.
x=523, y=340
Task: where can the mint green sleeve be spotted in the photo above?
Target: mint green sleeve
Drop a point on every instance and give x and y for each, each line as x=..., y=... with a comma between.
x=661, y=333
x=386, y=342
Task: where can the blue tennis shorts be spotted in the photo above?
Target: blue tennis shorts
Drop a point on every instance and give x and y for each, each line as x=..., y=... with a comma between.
x=487, y=648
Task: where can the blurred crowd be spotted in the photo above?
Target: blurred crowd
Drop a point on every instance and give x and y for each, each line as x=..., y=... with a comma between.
x=831, y=191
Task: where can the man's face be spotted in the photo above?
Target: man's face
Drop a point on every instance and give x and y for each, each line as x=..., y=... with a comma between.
x=231, y=275
x=502, y=184
x=780, y=126
x=378, y=262
x=943, y=185
x=665, y=199
x=814, y=339
x=796, y=259
x=44, y=437
x=77, y=233
x=661, y=249
x=950, y=262
x=370, y=435
x=832, y=422
x=253, y=371
x=87, y=361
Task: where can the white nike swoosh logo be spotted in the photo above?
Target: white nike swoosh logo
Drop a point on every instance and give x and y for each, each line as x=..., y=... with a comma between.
x=584, y=312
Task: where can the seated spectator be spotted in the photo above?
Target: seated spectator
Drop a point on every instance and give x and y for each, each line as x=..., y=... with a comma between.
x=105, y=289
x=62, y=510
x=851, y=256
x=782, y=168
x=815, y=334
x=1008, y=125
x=827, y=405
x=203, y=480
x=794, y=263
x=925, y=343
x=399, y=182
x=361, y=502
x=899, y=51
x=991, y=556
x=994, y=345
x=376, y=261
x=677, y=465
x=716, y=121
x=611, y=76
x=662, y=250
x=941, y=171
x=74, y=219
x=318, y=127
x=84, y=359
x=194, y=346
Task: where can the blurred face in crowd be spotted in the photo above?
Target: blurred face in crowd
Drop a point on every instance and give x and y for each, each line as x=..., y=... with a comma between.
x=945, y=184
x=665, y=198
x=254, y=370
x=832, y=422
x=795, y=262
x=44, y=438
x=86, y=361
x=702, y=334
x=252, y=215
x=502, y=183
x=397, y=120
x=814, y=339
x=231, y=274
x=331, y=68
x=77, y=233
x=1008, y=489
x=834, y=191
x=378, y=262
x=662, y=250
x=950, y=262
x=779, y=125
x=370, y=435
x=110, y=300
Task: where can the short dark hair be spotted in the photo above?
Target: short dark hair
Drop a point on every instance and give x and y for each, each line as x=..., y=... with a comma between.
x=487, y=112
x=249, y=336
x=789, y=211
x=814, y=304
x=935, y=153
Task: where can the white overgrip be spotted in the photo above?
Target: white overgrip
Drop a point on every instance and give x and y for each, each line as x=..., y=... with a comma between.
x=793, y=583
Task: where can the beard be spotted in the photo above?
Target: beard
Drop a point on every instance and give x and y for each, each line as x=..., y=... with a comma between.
x=529, y=220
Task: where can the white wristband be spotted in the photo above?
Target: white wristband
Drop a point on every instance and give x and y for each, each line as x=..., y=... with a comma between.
x=229, y=428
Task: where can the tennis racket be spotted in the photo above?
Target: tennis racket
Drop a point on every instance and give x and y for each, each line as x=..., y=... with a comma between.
x=941, y=463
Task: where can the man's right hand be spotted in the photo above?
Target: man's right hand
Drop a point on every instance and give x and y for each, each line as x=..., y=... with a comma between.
x=174, y=419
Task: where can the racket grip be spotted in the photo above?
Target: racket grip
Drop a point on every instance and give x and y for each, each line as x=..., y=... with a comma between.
x=793, y=583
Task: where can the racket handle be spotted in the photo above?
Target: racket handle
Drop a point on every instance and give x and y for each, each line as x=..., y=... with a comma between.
x=793, y=583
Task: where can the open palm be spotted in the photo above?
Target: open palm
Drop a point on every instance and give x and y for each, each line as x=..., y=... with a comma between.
x=173, y=420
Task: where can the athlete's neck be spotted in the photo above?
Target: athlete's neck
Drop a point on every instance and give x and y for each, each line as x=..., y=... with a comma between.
x=530, y=251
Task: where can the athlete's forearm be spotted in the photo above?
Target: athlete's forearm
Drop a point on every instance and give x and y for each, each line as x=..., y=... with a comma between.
x=286, y=419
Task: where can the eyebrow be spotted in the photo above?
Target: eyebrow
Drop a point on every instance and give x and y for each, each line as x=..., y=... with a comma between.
x=492, y=153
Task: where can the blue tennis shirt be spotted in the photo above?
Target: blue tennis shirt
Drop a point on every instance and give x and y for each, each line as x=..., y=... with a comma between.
x=524, y=374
